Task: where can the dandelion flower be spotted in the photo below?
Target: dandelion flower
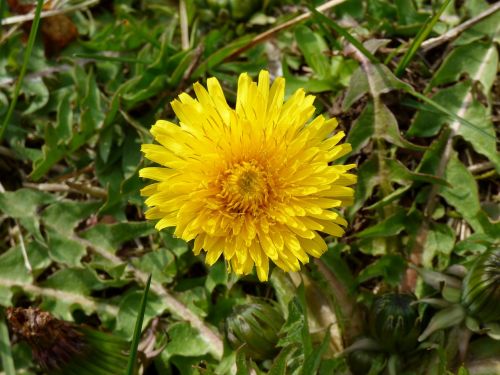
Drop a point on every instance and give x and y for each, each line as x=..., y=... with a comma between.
x=255, y=183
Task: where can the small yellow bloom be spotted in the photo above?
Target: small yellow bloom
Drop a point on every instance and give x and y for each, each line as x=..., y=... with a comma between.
x=254, y=183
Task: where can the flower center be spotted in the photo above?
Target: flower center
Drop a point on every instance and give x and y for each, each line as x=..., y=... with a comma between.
x=245, y=187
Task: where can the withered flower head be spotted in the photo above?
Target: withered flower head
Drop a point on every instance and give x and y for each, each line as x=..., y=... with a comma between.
x=62, y=347
x=53, y=342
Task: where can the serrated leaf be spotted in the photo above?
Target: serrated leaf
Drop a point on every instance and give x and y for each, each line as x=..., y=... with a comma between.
x=439, y=243
x=23, y=202
x=64, y=216
x=110, y=236
x=458, y=98
x=63, y=249
x=129, y=309
x=463, y=195
x=386, y=127
x=185, y=341
x=291, y=331
x=12, y=265
x=161, y=264
x=479, y=60
x=37, y=94
x=377, y=80
x=312, y=361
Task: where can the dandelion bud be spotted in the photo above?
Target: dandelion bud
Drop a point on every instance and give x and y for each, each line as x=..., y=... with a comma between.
x=395, y=323
x=254, y=328
x=481, y=288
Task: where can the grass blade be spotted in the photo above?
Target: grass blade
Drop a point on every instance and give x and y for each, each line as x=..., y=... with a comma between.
x=97, y=57
x=5, y=351
x=137, y=331
x=27, y=54
x=419, y=39
x=322, y=19
x=2, y=10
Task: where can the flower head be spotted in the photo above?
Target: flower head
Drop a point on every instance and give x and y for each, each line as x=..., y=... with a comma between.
x=254, y=183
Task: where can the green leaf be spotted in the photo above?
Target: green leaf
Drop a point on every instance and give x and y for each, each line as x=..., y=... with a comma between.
x=390, y=267
x=458, y=99
x=368, y=178
x=280, y=363
x=362, y=129
x=446, y=318
x=129, y=309
x=23, y=202
x=241, y=363
x=12, y=262
x=374, y=79
x=479, y=60
x=161, y=264
x=78, y=280
x=89, y=97
x=291, y=332
x=439, y=243
x=64, y=216
x=463, y=194
x=64, y=126
x=185, y=341
x=137, y=331
x=63, y=249
x=391, y=226
x=37, y=94
x=313, y=47
x=110, y=236
x=217, y=275
x=386, y=127
x=400, y=174
x=377, y=80
x=485, y=28
x=312, y=362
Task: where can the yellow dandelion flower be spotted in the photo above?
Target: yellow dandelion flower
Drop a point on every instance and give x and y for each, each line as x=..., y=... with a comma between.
x=255, y=183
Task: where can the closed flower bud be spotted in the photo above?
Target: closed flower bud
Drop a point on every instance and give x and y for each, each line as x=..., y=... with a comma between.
x=254, y=328
x=481, y=288
x=394, y=322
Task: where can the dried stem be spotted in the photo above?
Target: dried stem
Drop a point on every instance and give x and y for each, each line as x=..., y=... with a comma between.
x=285, y=25
x=184, y=25
x=456, y=31
x=48, y=13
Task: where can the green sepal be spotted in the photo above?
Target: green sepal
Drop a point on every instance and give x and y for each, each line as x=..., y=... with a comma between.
x=443, y=319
